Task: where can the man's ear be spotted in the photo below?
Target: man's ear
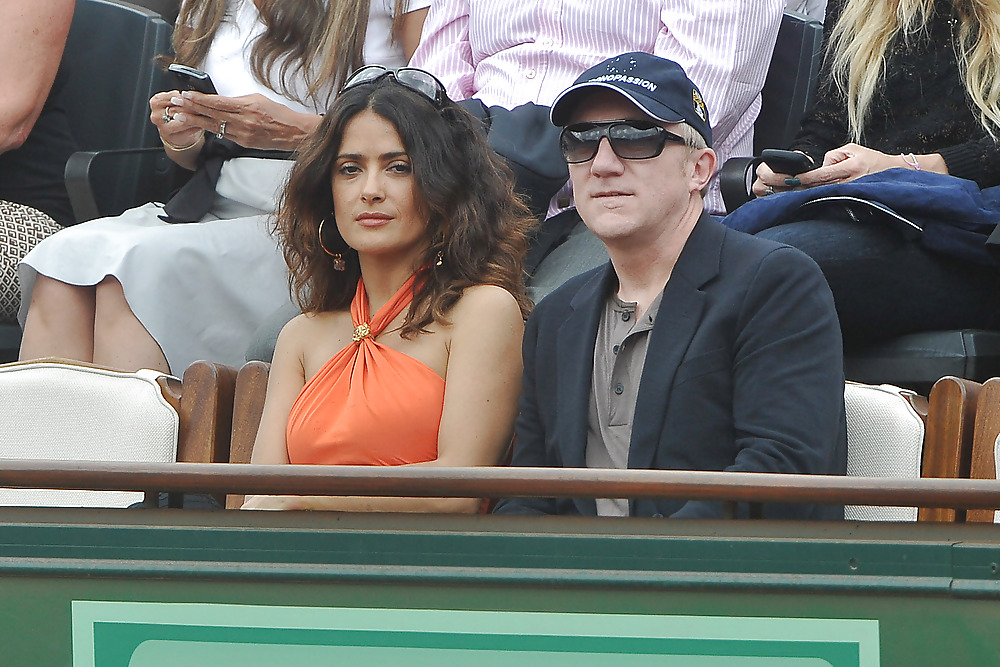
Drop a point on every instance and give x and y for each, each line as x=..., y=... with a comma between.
x=703, y=163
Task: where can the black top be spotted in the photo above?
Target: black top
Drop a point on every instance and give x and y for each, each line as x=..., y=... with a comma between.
x=921, y=105
x=34, y=173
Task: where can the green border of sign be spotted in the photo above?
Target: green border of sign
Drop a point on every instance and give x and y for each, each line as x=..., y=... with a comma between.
x=151, y=634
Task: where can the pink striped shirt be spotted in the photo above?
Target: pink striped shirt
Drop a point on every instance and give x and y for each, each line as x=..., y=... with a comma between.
x=510, y=53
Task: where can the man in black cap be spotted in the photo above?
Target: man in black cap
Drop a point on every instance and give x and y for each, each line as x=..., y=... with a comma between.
x=695, y=347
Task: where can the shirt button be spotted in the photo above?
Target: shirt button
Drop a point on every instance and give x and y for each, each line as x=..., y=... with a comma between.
x=530, y=74
x=619, y=389
x=626, y=316
x=615, y=349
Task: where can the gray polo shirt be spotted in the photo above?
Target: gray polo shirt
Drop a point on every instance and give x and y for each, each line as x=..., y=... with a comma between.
x=619, y=354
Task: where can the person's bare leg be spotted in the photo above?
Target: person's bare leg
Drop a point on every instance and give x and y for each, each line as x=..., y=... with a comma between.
x=60, y=322
x=120, y=340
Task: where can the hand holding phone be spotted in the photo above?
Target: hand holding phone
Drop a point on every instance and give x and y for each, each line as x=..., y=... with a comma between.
x=787, y=162
x=189, y=78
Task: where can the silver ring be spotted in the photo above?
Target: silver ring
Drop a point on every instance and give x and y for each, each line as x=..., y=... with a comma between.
x=166, y=115
x=221, y=134
x=769, y=190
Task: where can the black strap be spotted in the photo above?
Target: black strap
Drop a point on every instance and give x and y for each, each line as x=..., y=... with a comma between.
x=194, y=200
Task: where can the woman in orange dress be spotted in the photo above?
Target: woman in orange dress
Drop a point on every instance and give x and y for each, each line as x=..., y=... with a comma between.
x=404, y=240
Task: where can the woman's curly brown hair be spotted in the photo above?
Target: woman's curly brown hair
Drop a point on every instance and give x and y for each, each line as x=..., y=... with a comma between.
x=476, y=221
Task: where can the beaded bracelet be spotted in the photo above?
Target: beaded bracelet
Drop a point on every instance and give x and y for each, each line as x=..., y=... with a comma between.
x=180, y=149
x=911, y=160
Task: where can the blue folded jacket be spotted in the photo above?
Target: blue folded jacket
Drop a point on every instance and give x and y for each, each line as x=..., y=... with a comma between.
x=955, y=215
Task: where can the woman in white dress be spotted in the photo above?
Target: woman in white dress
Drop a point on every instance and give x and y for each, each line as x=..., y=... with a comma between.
x=135, y=291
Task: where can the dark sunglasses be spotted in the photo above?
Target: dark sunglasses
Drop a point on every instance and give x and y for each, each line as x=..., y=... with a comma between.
x=629, y=139
x=415, y=79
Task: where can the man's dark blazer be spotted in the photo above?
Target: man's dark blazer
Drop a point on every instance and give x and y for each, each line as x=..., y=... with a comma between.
x=743, y=372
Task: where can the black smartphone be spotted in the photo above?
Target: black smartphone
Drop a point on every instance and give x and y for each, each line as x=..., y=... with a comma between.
x=787, y=162
x=189, y=78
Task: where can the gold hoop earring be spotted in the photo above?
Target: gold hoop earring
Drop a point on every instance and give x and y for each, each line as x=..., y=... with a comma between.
x=338, y=259
x=319, y=234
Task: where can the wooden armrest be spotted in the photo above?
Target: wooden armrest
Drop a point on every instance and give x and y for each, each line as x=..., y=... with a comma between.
x=948, y=439
x=983, y=465
x=251, y=389
x=206, y=413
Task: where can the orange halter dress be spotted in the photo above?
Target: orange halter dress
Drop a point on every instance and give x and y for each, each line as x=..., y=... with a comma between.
x=369, y=404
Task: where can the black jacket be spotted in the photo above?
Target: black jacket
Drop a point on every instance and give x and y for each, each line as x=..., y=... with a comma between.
x=743, y=372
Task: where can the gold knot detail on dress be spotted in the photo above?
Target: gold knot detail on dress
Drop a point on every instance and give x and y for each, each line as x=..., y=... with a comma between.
x=361, y=332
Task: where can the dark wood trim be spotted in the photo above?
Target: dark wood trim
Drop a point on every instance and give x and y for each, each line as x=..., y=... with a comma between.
x=499, y=482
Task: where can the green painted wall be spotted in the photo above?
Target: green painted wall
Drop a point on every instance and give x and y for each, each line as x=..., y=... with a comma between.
x=932, y=589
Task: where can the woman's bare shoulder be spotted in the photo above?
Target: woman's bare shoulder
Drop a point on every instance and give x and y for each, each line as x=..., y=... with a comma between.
x=488, y=298
x=304, y=328
x=486, y=303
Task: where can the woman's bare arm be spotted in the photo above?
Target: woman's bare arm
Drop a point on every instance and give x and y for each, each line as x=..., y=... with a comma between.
x=284, y=383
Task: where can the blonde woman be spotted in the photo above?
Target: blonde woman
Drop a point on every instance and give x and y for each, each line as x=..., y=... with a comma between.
x=905, y=83
x=908, y=84
x=137, y=292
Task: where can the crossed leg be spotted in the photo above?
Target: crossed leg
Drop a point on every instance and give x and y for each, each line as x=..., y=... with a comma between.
x=88, y=323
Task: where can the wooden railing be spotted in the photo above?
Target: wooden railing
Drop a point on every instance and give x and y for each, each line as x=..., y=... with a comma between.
x=483, y=482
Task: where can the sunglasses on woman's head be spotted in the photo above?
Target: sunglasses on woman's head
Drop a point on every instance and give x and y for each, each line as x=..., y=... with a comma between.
x=415, y=79
x=629, y=139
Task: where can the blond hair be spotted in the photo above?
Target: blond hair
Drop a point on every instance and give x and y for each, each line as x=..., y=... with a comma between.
x=865, y=29
x=692, y=137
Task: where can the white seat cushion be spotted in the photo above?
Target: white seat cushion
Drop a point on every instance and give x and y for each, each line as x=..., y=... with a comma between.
x=885, y=438
x=58, y=411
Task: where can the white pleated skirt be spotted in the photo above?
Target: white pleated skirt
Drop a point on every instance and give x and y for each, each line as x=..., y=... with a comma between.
x=200, y=289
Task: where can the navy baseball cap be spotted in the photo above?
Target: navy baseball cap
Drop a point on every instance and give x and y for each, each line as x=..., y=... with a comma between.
x=656, y=85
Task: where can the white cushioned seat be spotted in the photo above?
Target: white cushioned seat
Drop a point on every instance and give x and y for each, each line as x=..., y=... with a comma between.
x=68, y=412
x=885, y=438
